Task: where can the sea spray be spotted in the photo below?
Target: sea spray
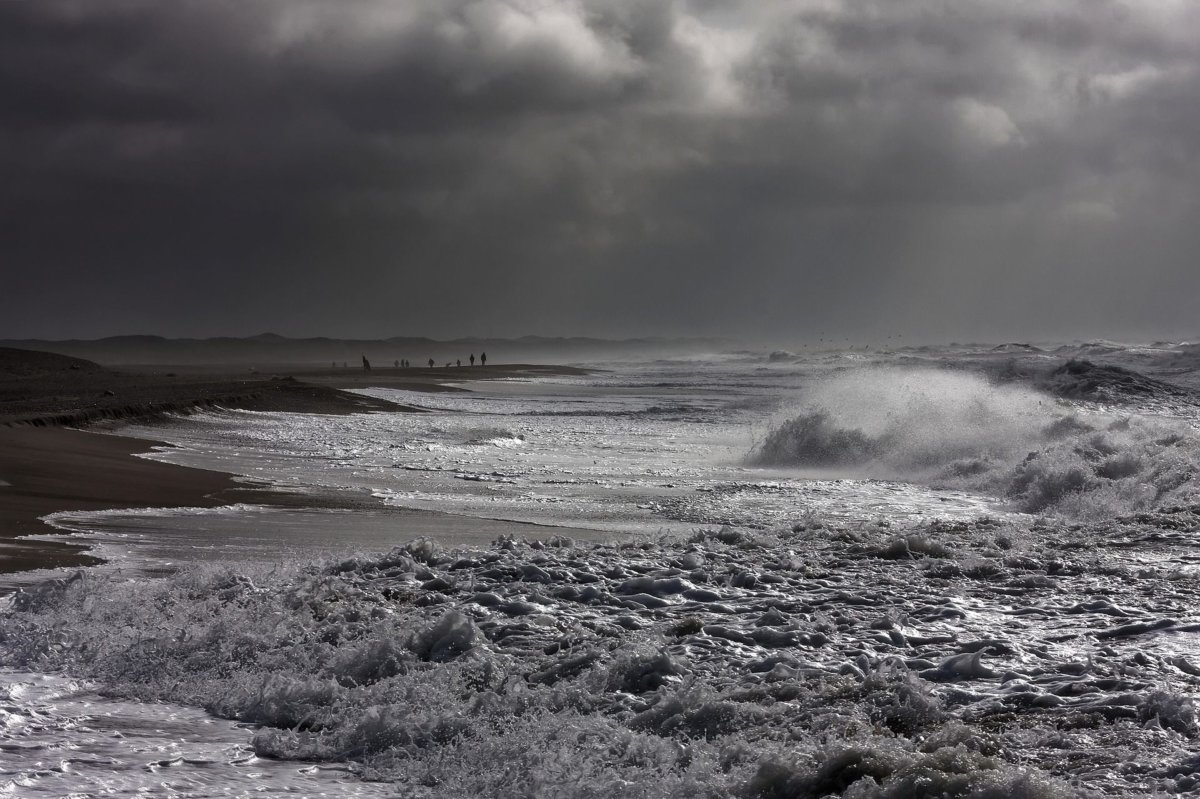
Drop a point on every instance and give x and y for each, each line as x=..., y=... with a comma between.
x=957, y=430
x=903, y=422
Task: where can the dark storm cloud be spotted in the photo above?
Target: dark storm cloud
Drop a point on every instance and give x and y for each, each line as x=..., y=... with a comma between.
x=375, y=167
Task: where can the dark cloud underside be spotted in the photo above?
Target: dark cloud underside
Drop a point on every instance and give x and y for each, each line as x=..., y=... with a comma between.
x=442, y=167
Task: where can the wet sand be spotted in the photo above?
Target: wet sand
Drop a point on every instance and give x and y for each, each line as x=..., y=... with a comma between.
x=45, y=466
x=46, y=469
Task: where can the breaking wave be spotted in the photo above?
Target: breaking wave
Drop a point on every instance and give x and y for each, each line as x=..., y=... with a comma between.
x=494, y=437
x=957, y=430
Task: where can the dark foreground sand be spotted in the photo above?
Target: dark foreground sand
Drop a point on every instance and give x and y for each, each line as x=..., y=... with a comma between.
x=47, y=467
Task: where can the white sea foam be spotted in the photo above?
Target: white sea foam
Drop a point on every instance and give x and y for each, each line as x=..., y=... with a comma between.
x=726, y=663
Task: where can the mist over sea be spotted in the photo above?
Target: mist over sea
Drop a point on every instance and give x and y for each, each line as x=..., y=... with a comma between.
x=930, y=572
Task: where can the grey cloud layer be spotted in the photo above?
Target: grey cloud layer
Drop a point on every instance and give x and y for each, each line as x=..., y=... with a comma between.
x=377, y=167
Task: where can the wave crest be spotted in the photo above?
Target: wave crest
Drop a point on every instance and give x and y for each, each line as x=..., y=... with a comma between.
x=814, y=439
x=955, y=430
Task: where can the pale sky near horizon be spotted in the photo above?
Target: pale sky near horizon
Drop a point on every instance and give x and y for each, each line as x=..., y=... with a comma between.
x=1003, y=170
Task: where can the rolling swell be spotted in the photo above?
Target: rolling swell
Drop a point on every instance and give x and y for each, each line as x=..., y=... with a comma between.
x=955, y=430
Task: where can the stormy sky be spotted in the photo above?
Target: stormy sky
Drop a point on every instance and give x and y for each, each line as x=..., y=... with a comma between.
x=1000, y=170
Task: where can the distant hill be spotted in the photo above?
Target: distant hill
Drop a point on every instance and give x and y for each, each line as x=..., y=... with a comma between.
x=23, y=363
x=268, y=349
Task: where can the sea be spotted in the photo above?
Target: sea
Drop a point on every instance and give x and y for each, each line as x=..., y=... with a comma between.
x=938, y=571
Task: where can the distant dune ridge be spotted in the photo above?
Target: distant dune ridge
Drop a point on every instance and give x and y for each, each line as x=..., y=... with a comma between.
x=269, y=348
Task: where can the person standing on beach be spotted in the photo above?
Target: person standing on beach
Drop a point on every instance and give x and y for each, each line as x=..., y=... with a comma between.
x=483, y=359
x=366, y=364
x=431, y=363
x=472, y=359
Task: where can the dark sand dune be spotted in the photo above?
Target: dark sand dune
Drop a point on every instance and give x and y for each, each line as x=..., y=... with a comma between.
x=39, y=388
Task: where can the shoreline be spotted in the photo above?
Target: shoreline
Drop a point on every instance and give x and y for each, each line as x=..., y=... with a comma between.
x=47, y=470
x=47, y=466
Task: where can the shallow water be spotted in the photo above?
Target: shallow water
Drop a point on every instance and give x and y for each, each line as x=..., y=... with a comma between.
x=159, y=540
x=62, y=739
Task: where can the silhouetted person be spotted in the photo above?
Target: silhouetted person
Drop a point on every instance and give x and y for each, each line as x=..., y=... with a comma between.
x=472, y=359
x=366, y=364
x=431, y=363
x=483, y=359
x=458, y=363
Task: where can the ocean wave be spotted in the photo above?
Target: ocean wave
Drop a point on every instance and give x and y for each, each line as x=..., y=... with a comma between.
x=957, y=430
x=905, y=421
x=494, y=437
x=1084, y=380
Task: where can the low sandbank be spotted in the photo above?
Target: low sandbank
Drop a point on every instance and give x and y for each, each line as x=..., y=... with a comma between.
x=43, y=389
x=46, y=466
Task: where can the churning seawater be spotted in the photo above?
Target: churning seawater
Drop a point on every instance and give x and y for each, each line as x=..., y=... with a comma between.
x=753, y=578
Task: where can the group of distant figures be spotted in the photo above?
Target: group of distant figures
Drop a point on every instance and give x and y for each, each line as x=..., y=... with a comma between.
x=402, y=364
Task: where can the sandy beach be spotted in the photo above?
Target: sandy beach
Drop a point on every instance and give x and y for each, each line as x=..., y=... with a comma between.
x=48, y=465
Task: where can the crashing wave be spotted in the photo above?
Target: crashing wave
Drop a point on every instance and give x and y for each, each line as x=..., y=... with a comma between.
x=956, y=430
